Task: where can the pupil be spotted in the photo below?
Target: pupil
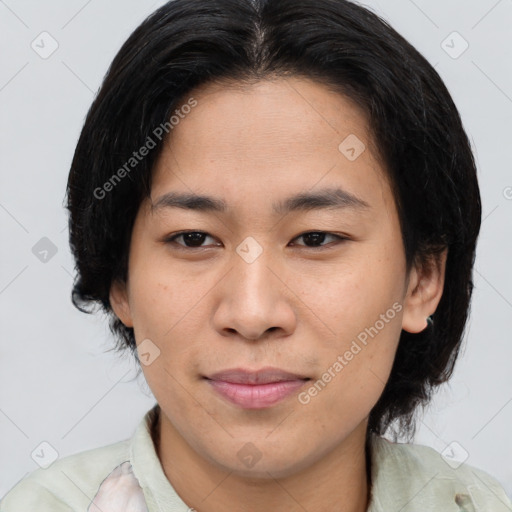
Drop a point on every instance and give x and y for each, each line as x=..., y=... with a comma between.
x=314, y=237
x=194, y=237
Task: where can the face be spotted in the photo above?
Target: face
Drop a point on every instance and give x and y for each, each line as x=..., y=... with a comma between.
x=315, y=288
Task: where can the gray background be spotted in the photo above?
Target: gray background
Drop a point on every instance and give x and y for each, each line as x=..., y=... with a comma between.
x=57, y=382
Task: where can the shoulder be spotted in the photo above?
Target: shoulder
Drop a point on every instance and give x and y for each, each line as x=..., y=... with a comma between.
x=69, y=483
x=416, y=477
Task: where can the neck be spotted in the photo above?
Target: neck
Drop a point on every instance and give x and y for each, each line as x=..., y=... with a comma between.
x=338, y=481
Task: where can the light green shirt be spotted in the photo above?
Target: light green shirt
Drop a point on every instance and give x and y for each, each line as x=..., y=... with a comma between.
x=127, y=477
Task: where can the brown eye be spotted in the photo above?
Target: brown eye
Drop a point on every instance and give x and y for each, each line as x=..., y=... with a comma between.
x=191, y=239
x=314, y=239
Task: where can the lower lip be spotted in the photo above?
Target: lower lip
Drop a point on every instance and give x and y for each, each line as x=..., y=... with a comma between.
x=250, y=396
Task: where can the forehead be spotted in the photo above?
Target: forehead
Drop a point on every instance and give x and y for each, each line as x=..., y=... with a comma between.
x=246, y=141
x=293, y=115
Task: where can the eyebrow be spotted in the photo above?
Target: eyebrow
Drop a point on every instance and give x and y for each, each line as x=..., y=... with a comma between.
x=328, y=198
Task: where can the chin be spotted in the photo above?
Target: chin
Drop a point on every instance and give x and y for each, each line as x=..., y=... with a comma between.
x=255, y=461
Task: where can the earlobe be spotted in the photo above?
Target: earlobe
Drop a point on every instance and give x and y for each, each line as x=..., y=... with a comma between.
x=424, y=292
x=119, y=302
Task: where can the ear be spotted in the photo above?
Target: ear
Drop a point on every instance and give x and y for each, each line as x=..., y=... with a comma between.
x=424, y=291
x=119, y=302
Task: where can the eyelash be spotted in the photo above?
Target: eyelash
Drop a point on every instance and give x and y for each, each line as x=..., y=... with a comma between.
x=171, y=239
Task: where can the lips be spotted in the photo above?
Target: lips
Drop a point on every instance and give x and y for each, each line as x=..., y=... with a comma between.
x=257, y=389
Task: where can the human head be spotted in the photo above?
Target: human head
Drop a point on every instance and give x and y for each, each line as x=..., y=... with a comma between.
x=416, y=133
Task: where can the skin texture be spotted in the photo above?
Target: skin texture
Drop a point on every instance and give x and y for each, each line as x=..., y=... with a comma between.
x=294, y=307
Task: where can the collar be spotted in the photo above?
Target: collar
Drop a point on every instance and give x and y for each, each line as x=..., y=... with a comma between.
x=404, y=477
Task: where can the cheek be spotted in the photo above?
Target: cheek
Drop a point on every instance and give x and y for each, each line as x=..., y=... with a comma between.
x=363, y=309
x=354, y=378
x=162, y=298
x=167, y=310
x=345, y=299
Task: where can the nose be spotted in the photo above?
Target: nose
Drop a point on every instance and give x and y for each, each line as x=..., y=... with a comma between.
x=255, y=301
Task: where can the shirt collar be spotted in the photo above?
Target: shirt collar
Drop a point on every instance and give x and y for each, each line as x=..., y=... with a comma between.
x=159, y=493
x=387, y=471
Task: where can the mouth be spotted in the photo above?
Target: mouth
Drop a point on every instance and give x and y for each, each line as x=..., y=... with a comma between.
x=263, y=376
x=256, y=389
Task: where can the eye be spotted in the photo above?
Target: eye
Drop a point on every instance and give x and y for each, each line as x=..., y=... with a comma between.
x=318, y=237
x=191, y=239
x=195, y=239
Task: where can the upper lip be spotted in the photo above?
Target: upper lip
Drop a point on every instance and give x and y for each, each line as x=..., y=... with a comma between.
x=261, y=376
